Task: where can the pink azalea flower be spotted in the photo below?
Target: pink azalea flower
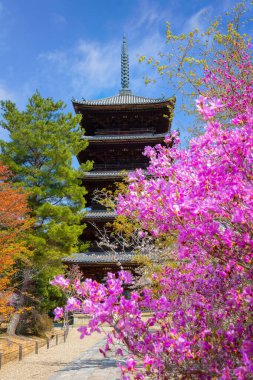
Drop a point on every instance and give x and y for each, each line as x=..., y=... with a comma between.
x=60, y=281
x=131, y=364
x=73, y=304
x=58, y=313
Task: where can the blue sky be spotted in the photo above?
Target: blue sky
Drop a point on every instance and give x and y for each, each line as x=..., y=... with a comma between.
x=69, y=49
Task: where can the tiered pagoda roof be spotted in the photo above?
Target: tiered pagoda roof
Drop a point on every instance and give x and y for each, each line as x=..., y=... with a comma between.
x=118, y=128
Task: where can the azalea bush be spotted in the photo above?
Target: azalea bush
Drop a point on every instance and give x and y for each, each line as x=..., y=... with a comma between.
x=200, y=308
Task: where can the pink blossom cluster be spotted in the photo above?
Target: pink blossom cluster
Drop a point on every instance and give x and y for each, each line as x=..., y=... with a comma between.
x=235, y=87
x=208, y=108
x=200, y=319
x=61, y=281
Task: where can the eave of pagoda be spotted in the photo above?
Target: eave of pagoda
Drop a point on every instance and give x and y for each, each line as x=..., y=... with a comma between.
x=97, y=258
x=106, y=175
x=99, y=215
x=124, y=138
x=96, y=265
x=107, y=104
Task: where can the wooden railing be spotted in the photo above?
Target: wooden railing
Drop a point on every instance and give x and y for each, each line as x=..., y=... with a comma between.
x=14, y=350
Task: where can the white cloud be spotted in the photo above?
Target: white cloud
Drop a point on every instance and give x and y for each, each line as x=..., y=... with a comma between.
x=146, y=16
x=57, y=58
x=198, y=20
x=96, y=66
x=6, y=94
x=59, y=19
x=91, y=69
x=87, y=69
x=150, y=46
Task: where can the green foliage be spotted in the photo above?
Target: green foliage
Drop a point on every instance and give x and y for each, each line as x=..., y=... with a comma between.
x=34, y=323
x=43, y=140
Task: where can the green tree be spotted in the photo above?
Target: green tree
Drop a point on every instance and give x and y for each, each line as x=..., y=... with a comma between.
x=188, y=56
x=43, y=140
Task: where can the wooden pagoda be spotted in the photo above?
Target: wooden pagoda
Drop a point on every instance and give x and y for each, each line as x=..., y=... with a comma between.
x=117, y=128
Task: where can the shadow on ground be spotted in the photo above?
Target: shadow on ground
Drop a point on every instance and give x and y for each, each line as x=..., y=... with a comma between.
x=91, y=365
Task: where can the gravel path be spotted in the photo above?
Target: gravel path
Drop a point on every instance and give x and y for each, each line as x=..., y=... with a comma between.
x=91, y=365
x=56, y=359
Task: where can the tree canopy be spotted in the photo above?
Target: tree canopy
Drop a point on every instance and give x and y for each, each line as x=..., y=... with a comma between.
x=43, y=141
x=189, y=56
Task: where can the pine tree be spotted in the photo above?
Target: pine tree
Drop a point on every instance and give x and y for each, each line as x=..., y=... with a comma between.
x=43, y=140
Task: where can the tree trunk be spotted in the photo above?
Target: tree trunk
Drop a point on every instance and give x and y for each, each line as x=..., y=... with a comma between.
x=15, y=318
x=13, y=324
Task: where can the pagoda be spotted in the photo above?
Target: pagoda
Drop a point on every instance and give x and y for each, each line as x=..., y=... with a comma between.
x=118, y=128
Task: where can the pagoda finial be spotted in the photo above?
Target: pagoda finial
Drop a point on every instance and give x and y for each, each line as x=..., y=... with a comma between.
x=124, y=68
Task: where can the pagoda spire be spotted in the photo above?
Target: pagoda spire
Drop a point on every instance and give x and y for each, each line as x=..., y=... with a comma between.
x=124, y=68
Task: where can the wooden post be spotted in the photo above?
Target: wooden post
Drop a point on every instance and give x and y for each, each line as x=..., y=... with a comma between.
x=36, y=347
x=47, y=343
x=20, y=352
x=1, y=355
x=56, y=339
x=64, y=336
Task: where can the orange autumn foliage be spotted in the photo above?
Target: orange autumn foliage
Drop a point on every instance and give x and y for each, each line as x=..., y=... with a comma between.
x=14, y=220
